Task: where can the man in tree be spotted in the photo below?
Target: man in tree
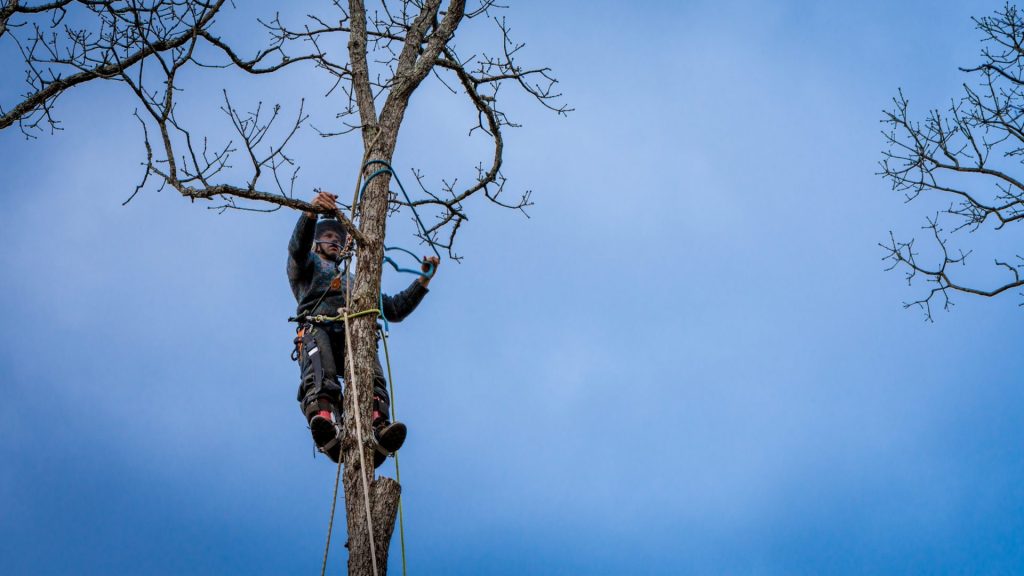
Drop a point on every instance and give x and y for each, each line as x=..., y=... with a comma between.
x=315, y=252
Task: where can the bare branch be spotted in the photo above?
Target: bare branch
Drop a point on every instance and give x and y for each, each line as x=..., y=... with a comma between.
x=970, y=153
x=100, y=58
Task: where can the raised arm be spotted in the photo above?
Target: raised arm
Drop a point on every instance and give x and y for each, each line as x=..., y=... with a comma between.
x=300, y=246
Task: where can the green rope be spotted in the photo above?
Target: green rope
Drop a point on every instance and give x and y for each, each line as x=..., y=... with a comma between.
x=398, y=474
x=341, y=317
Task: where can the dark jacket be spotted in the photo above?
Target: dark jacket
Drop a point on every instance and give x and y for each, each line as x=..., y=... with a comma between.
x=310, y=276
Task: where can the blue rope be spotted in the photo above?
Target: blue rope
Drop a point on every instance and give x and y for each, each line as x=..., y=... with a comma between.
x=427, y=274
x=389, y=170
x=430, y=271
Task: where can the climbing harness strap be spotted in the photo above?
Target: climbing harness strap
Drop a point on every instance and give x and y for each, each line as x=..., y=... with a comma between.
x=334, y=442
x=314, y=405
x=323, y=319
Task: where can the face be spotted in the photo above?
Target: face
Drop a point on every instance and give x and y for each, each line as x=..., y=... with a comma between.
x=329, y=244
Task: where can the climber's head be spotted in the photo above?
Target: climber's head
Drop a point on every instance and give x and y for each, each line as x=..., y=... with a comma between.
x=329, y=238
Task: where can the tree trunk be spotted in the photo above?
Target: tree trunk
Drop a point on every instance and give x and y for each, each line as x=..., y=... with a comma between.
x=383, y=492
x=380, y=135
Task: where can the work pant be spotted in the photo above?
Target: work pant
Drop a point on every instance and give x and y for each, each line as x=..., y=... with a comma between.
x=327, y=343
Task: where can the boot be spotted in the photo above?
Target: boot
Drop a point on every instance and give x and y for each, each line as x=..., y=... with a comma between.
x=325, y=426
x=388, y=435
x=389, y=438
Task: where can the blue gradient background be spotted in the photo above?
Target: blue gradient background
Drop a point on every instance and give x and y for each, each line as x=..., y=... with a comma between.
x=687, y=361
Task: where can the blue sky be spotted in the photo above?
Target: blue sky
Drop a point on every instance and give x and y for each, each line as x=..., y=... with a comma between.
x=689, y=360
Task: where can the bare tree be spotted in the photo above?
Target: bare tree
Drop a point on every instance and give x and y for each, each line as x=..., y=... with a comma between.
x=971, y=154
x=392, y=48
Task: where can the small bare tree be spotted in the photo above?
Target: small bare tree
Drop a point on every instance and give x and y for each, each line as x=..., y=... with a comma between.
x=970, y=153
x=389, y=50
